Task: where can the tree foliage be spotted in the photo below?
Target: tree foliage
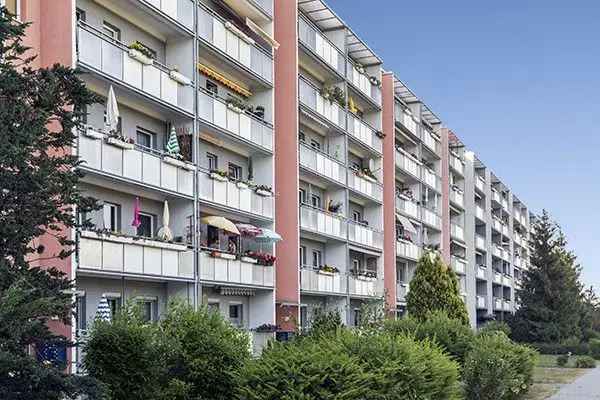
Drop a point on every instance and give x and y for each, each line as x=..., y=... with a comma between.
x=434, y=287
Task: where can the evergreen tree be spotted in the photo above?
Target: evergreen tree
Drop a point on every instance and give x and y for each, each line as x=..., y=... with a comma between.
x=434, y=287
x=39, y=109
x=551, y=295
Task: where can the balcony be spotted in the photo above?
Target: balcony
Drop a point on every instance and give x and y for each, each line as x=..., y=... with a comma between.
x=431, y=218
x=480, y=183
x=517, y=215
x=480, y=242
x=517, y=262
x=311, y=97
x=181, y=11
x=518, y=239
x=365, y=235
x=100, y=53
x=497, y=278
x=431, y=141
x=459, y=265
x=457, y=232
x=481, y=272
x=481, y=302
x=134, y=256
x=498, y=303
x=407, y=163
x=235, y=271
x=135, y=164
x=406, y=249
x=264, y=5
x=498, y=251
x=457, y=164
x=496, y=196
x=322, y=164
x=431, y=179
x=235, y=195
x=479, y=213
x=315, y=281
x=507, y=280
x=320, y=221
x=215, y=111
x=319, y=45
x=406, y=119
x=365, y=185
x=402, y=290
x=407, y=207
x=506, y=305
x=457, y=196
x=497, y=224
x=524, y=219
x=364, y=133
x=504, y=203
x=364, y=287
x=362, y=83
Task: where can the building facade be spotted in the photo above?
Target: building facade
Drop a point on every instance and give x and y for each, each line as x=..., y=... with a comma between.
x=286, y=124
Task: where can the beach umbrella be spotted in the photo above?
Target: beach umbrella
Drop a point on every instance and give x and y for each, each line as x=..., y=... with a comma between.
x=248, y=230
x=103, y=311
x=173, y=143
x=221, y=223
x=164, y=232
x=137, y=209
x=112, y=111
x=267, y=236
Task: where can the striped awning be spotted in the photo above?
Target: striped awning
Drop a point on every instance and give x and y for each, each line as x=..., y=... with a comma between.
x=235, y=291
x=217, y=76
x=406, y=224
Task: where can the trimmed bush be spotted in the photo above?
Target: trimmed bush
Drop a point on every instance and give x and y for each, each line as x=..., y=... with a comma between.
x=350, y=365
x=452, y=335
x=495, y=326
x=497, y=369
x=585, y=362
x=595, y=348
x=562, y=360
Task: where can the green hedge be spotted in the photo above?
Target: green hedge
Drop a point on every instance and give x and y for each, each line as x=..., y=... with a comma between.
x=595, y=348
x=581, y=349
x=585, y=362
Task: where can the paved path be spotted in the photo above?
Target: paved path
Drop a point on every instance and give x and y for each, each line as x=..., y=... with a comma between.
x=586, y=387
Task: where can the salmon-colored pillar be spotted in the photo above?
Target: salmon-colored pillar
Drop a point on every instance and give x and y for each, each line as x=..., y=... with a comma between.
x=287, y=289
x=389, y=193
x=445, y=154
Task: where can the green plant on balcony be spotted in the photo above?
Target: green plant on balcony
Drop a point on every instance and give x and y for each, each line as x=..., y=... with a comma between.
x=142, y=49
x=334, y=94
x=264, y=259
x=329, y=269
x=237, y=104
x=266, y=328
x=375, y=81
x=219, y=175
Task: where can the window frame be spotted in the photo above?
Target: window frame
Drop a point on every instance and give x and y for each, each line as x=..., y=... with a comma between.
x=313, y=197
x=302, y=255
x=113, y=29
x=141, y=131
x=239, y=320
x=212, y=161
x=117, y=216
x=152, y=224
x=235, y=171
x=302, y=195
x=317, y=258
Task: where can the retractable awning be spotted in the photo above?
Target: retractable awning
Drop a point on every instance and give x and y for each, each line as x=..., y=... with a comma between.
x=408, y=226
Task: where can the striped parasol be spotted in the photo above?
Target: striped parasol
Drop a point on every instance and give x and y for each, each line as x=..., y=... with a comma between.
x=103, y=311
x=267, y=236
x=173, y=143
x=248, y=230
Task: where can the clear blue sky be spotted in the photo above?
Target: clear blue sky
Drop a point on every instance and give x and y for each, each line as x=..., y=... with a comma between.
x=518, y=81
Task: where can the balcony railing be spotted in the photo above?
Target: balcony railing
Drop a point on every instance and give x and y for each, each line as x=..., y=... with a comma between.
x=406, y=249
x=402, y=290
x=457, y=164
x=459, y=265
x=407, y=120
x=225, y=37
x=431, y=218
x=480, y=183
x=430, y=141
x=480, y=242
x=407, y=163
x=506, y=280
x=180, y=10
x=504, y=203
x=498, y=304
x=364, y=133
x=236, y=195
x=135, y=164
x=517, y=262
x=320, y=221
x=524, y=219
x=330, y=110
x=365, y=235
x=322, y=164
x=498, y=251
x=506, y=305
x=496, y=196
x=517, y=215
x=135, y=256
x=364, y=185
x=111, y=57
x=457, y=232
x=457, y=197
x=215, y=111
x=321, y=46
x=408, y=207
x=234, y=271
x=312, y=280
x=363, y=84
x=481, y=272
x=497, y=277
x=479, y=213
x=432, y=179
x=481, y=302
x=367, y=287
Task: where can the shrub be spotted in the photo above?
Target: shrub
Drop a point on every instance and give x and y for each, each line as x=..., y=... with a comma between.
x=595, y=348
x=585, y=362
x=325, y=322
x=451, y=334
x=497, y=369
x=495, y=326
x=556, y=348
x=562, y=360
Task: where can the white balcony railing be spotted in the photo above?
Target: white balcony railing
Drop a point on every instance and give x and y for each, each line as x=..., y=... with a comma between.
x=408, y=207
x=99, y=52
x=180, y=10
x=330, y=110
x=498, y=303
x=459, y=265
x=481, y=302
x=498, y=251
x=407, y=163
x=457, y=232
x=432, y=179
x=517, y=262
x=481, y=271
x=479, y=213
x=497, y=277
x=215, y=111
x=402, y=290
x=321, y=46
x=406, y=249
x=406, y=119
x=457, y=164
x=316, y=220
x=457, y=196
x=231, y=41
x=480, y=183
x=364, y=133
x=496, y=196
x=135, y=256
x=431, y=141
x=322, y=164
x=216, y=269
x=367, y=186
x=224, y=192
x=135, y=164
x=431, y=218
x=323, y=282
x=368, y=287
x=506, y=280
x=480, y=242
x=365, y=235
x=497, y=223
x=506, y=305
x=363, y=84
x=517, y=215
x=504, y=203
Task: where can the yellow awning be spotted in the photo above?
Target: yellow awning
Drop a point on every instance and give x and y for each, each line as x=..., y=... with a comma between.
x=211, y=73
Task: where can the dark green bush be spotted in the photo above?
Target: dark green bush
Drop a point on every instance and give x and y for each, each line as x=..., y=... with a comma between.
x=562, y=360
x=325, y=323
x=351, y=365
x=452, y=335
x=556, y=348
x=585, y=362
x=497, y=369
x=495, y=326
x=595, y=348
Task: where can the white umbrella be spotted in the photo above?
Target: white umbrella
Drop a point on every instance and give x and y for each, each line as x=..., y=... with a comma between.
x=103, y=312
x=165, y=232
x=112, y=111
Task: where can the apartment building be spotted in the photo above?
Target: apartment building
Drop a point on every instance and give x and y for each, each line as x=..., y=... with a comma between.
x=290, y=170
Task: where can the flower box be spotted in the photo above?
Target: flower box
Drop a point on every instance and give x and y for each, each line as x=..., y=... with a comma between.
x=369, y=178
x=218, y=177
x=179, y=163
x=92, y=133
x=225, y=256
x=120, y=143
x=137, y=55
x=321, y=272
x=234, y=108
x=180, y=78
x=248, y=260
x=241, y=185
x=264, y=193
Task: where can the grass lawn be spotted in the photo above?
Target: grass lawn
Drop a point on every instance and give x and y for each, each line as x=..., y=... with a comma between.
x=548, y=378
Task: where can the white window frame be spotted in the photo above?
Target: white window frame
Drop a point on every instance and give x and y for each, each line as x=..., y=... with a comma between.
x=152, y=223
x=239, y=321
x=302, y=255
x=317, y=256
x=17, y=6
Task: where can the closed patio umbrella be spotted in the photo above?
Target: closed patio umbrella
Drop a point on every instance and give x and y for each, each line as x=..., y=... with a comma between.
x=164, y=232
x=103, y=311
x=221, y=223
x=173, y=144
x=112, y=111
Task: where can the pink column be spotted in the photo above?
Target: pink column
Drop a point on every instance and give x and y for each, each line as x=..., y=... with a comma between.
x=389, y=192
x=286, y=164
x=445, y=153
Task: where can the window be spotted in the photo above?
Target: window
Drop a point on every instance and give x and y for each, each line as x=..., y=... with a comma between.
x=302, y=196
x=112, y=217
x=235, y=314
x=147, y=225
x=111, y=31
x=356, y=217
x=356, y=317
x=213, y=161
x=212, y=87
x=316, y=258
x=149, y=309
x=401, y=273
x=302, y=255
x=145, y=138
x=303, y=318
x=80, y=314
x=235, y=171
x=356, y=265
x=315, y=200
x=315, y=144
x=13, y=6
x=80, y=14
x=114, y=303
x=212, y=235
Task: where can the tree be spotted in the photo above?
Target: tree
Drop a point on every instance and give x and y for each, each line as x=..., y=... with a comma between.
x=434, y=287
x=551, y=295
x=39, y=109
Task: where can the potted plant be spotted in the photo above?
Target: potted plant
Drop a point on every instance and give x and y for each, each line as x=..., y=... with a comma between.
x=266, y=328
x=380, y=134
x=367, y=174
x=375, y=81
x=328, y=270
x=219, y=175
x=243, y=185
x=236, y=104
x=259, y=112
x=248, y=258
x=264, y=259
x=141, y=53
x=220, y=254
x=263, y=190
x=121, y=141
